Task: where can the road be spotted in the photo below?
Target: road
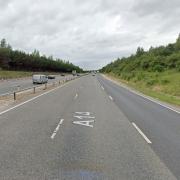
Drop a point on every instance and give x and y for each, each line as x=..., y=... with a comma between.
x=162, y=125
x=76, y=132
x=12, y=85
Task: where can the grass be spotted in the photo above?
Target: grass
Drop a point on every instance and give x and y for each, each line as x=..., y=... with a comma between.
x=20, y=74
x=164, y=86
x=14, y=74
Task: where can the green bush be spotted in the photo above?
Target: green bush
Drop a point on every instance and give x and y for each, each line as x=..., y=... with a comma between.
x=151, y=82
x=158, y=68
x=164, y=81
x=155, y=60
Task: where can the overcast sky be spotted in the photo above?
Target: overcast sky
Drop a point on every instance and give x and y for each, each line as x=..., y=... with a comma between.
x=89, y=33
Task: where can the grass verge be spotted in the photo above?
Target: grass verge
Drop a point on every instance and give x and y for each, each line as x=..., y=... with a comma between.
x=164, y=86
x=14, y=74
x=21, y=74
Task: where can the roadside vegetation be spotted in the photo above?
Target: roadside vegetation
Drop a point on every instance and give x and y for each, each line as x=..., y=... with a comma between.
x=4, y=74
x=155, y=72
x=15, y=60
x=14, y=74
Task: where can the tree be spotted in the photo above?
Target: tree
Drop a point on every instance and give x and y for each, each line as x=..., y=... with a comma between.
x=177, y=44
x=3, y=43
x=140, y=51
x=36, y=53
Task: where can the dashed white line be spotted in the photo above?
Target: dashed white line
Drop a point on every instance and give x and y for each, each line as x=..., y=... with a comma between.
x=76, y=96
x=102, y=88
x=141, y=133
x=147, y=98
x=57, y=129
x=110, y=97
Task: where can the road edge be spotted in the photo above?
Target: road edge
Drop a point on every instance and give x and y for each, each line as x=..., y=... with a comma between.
x=134, y=91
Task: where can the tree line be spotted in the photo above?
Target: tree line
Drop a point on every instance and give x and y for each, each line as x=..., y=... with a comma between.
x=18, y=60
x=154, y=60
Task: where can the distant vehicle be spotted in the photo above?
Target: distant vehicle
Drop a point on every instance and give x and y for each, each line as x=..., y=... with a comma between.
x=51, y=77
x=78, y=74
x=39, y=79
x=62, y=74
x=74, y=73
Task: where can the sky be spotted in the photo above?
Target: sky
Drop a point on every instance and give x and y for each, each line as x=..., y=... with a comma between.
x=89, y=33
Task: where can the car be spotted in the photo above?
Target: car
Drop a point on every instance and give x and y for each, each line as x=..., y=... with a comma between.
x=74, y=73
x=62, y=74
x=51, y=77
x=39, y=79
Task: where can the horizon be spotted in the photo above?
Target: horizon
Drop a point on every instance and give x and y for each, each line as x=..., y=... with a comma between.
x=89, y=34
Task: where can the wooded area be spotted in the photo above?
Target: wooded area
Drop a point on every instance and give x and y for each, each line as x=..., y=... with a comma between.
x=18, y=60
x=155, y=72
x=157, y=59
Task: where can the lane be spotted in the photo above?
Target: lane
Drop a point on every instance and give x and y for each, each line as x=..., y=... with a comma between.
x=27, y=151
x=93, y=140
x=18, y=84
x=160, y=124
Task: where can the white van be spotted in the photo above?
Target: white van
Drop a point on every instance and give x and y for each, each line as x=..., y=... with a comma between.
x=39, y=79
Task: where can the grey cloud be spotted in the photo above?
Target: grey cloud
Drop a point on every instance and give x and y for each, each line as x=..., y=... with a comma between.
x=88, y=33
x=156, y=7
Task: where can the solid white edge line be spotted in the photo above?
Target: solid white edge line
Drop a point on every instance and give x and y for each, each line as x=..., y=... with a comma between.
x=148, y=98
x=56, y=129
x=14, y=107
x=111, y=98
x=145, y=97
x=141, y=133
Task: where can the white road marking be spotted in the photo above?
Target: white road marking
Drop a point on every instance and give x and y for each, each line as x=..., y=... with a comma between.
x=14, y=107
x=76, y=96
x=111, y=98
x=84, y=117
x=102, y=88
x=83, y=113
x=57, y=129
x=163, y=105
x=141, y=133
x=84, y=123
x=148, y=98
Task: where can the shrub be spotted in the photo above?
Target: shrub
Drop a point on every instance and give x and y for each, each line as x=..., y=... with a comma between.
x=164, y=81
x=151, y=82
x=158, y=68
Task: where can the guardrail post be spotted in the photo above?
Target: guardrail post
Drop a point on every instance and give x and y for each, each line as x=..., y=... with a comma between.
x=45, y=85
x=34, y=90
x=14, y=95
x=59, y=82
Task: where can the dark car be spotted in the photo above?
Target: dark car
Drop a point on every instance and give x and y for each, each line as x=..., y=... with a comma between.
x=51, y=77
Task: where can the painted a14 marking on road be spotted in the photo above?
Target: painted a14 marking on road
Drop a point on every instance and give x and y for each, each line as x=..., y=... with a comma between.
x=84, y=119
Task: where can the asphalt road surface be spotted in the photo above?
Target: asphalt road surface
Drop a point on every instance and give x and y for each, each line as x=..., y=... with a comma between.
x=12, y=85
x=77, y=132
x=161, y=125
